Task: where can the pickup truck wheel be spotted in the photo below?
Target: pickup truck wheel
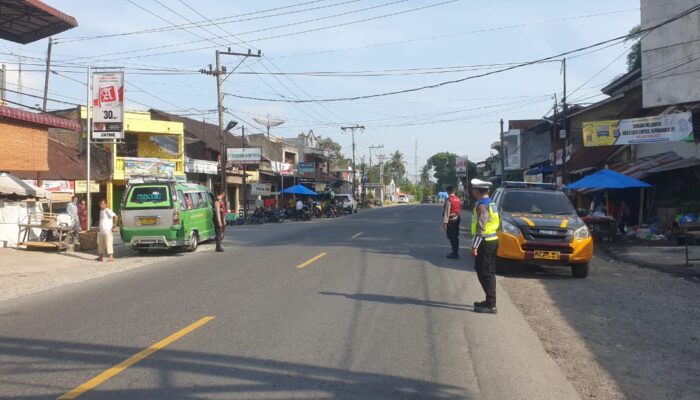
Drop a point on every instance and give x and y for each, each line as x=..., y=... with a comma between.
x=194, y=242
x=580, y=270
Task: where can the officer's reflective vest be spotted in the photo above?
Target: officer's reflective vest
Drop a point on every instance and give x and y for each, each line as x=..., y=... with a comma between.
x=455, y=204
x=491, y=228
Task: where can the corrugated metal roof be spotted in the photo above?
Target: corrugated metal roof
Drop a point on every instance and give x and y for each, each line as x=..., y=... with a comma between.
x=523, y=123
x=647, y=165
x=40, y=119
x=26, y=21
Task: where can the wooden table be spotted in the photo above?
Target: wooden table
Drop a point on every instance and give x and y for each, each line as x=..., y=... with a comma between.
x=602, y=227
x=61, y=242
x=690, y=230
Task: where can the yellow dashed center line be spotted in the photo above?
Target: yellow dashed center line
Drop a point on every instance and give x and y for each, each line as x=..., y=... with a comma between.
x=311, y=261
x=115, y=370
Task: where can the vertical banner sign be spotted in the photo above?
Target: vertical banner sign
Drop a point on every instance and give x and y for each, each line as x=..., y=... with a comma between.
x=108, y=105
x=461, y=165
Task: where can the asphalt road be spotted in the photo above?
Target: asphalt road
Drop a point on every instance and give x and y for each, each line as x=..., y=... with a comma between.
x=361, y=307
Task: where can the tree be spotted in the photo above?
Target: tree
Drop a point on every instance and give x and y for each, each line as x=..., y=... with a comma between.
x=395, y=168
x=634, y=57
x=442, y=166
x=335, y=152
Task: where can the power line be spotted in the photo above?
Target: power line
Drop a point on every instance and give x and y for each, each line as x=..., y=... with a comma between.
x=270, y=37
x=440, y=84
x=409, y=41
x=208, y=22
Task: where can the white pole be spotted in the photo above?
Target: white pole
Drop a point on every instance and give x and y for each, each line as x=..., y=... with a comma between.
x=89, y=137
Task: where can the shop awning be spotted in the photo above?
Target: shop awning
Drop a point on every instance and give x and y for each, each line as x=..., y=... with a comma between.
x=12, y=185
x=680, y=164
x=26, y=21
x=40, y=119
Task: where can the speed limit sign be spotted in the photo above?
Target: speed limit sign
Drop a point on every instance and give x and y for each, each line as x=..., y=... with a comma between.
x=108, y=105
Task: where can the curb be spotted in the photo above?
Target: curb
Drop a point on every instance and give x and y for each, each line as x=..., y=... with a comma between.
x=679, y=270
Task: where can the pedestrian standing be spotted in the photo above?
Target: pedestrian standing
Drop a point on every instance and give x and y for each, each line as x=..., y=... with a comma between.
x=83, y=215
x=105, y=238
x=485, y=223
x=299, y=209
x=72, y=210
x=451, y=219
x=220, y=219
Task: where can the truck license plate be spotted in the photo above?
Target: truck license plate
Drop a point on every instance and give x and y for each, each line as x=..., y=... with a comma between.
x=148, y=221
x=547, y=255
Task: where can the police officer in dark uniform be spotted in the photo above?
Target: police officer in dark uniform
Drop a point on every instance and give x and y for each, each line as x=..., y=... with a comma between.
x=485, y=224
x=219, y=215
x=451, y=220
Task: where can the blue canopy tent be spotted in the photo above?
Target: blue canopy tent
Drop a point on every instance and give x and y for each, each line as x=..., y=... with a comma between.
x=299, y=190
x=607, y=179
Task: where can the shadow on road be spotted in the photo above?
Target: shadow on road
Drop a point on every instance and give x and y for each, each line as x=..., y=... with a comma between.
x=380, y=298
x=26, y=362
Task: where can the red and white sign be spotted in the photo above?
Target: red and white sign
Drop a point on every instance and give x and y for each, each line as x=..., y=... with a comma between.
x=58, y=186
x=108, y=105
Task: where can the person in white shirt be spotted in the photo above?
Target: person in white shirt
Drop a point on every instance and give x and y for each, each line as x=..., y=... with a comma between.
x=72, y=210
x=299, y=208
x=105, y=239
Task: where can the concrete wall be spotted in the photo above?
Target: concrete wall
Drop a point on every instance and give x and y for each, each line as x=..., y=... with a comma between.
x=670, y=54
x=536, y=147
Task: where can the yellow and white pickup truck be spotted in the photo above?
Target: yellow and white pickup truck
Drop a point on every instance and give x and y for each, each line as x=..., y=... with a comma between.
x=539, y=225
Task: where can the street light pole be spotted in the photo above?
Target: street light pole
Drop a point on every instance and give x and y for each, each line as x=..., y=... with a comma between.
x=503, y=157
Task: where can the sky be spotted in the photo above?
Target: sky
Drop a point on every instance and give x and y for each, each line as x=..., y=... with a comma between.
x=329, y=49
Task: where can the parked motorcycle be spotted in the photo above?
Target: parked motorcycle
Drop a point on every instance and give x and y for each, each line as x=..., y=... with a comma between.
x=275, y=215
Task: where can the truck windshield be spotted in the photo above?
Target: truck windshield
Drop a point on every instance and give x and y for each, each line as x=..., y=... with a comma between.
x=537, y=202
x=155, y=196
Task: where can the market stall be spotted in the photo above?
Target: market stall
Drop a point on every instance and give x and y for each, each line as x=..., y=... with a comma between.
x=600, y=221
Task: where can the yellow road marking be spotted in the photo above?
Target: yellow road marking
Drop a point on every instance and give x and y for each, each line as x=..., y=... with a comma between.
x=528, y=221
x=564, y=223
x=311, y=261
x=357, y=235
x=115, y=370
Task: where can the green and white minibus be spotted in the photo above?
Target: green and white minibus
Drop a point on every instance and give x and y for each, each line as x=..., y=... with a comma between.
x=166, y=214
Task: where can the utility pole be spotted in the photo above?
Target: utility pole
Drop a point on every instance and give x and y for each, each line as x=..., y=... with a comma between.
x=381, y=146
x=555, y=138
x=381, y=158
x=3, y=77
x=352, y=130
x=564, y=128
x=503, y=157
x=218, y=72
x=88, y=119
x=415, y=163
x=48, y=73
x=363, y=182
x=245, y=175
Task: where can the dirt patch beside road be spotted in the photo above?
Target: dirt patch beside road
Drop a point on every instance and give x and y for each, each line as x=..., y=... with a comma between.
x=622, y=333
x=24, y=272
